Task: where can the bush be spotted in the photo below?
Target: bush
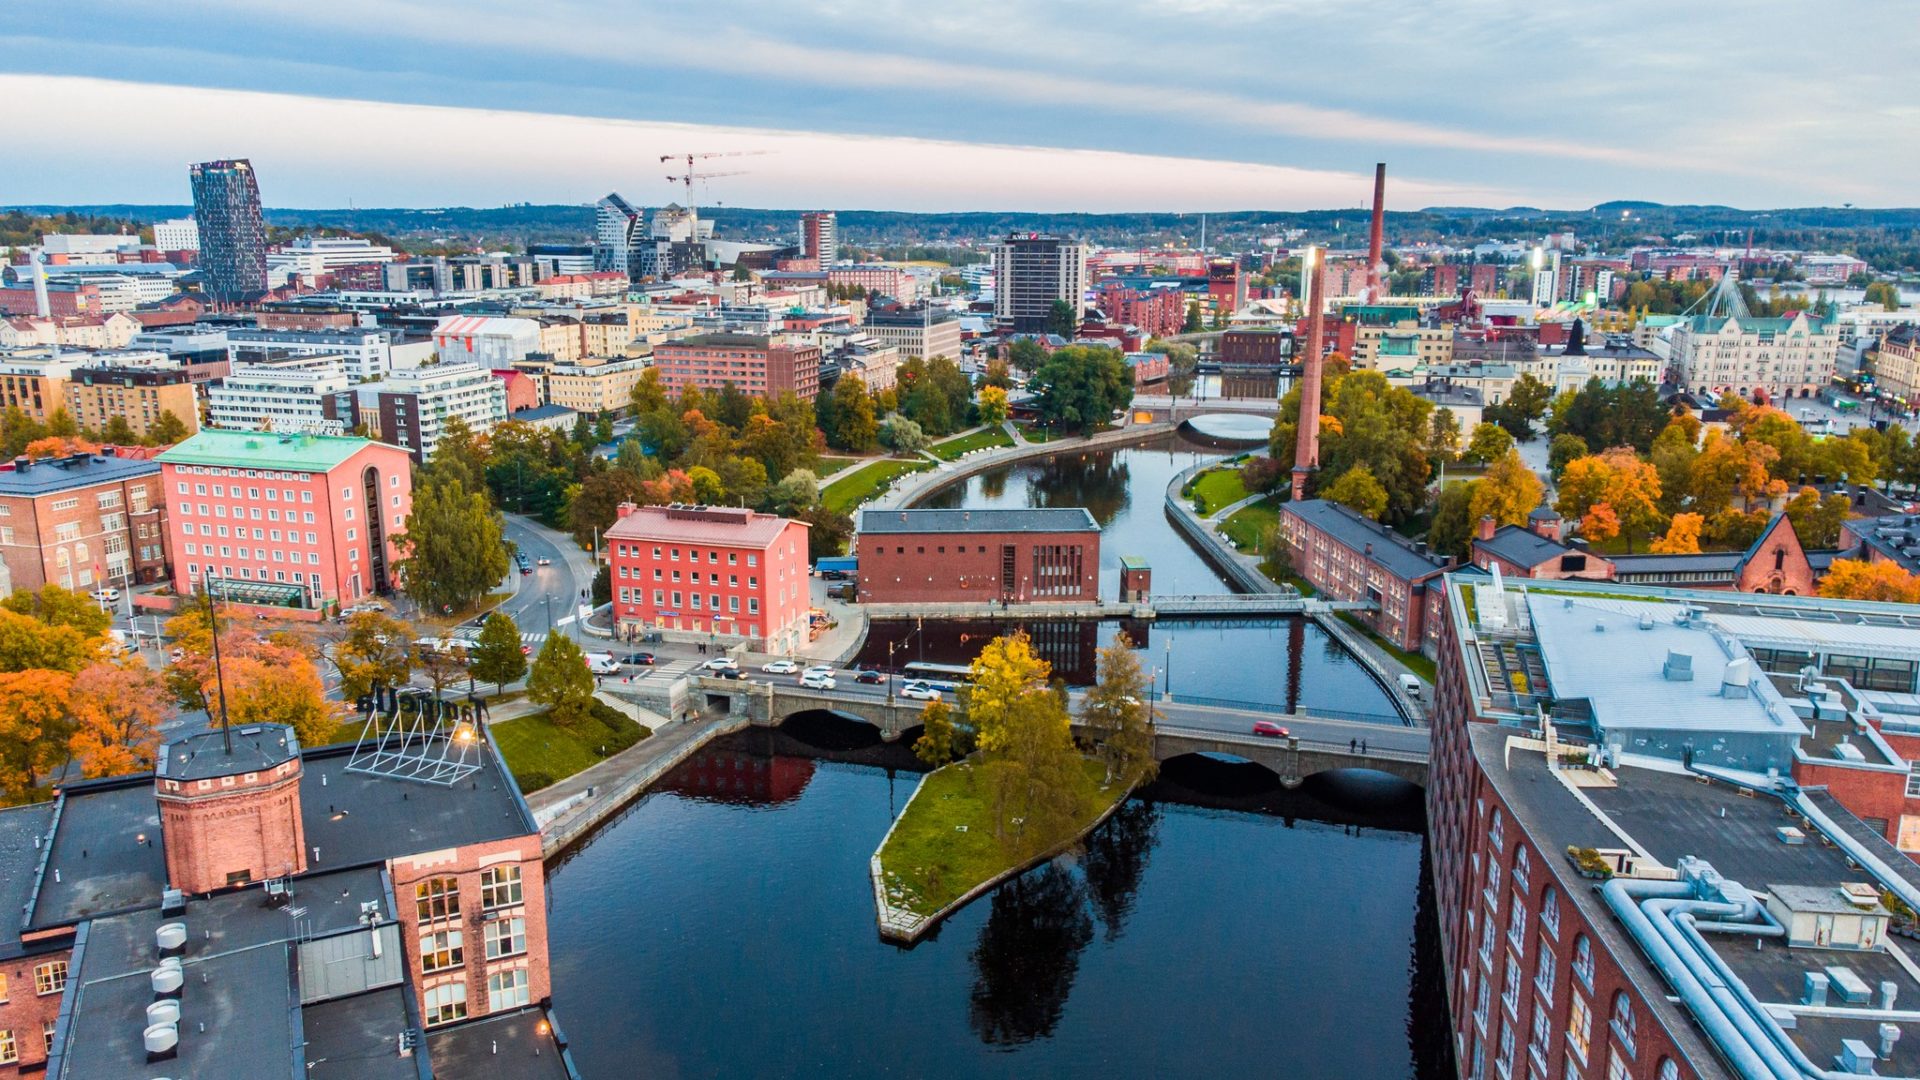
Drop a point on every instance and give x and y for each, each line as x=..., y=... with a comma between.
x=1264, y=474
x=613, y=729
x=532, y=780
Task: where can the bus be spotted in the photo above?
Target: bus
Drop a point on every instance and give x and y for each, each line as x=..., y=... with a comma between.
x=948, y=677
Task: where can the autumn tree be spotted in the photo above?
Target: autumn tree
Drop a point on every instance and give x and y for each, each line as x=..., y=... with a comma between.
x=993, y=405
x=1489, y=442
x=452, y=542
x=274, y=684
x=1816, y=518
x=560, y=681
x=118, y=710
x=372, y=652
x=939, y=738
x=1005, y=676
x=1682, y=537
x=496, y=655
x=1116, y=710
x=1451, y=531
x=596, y=504
x=1357, y=490
x=1562, y=450
x=27, y=643
x=52, y=605
x=1508, y=493
x=34, y=729
x=1610, y=494
x=1879, y=579
x=1023, y=729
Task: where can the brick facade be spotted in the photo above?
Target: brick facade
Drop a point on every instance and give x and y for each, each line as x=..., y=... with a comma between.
x=1017, y=567
x=490, y=897
x=26, y=1014
x=710, y=570
x=83, y=521
x=232, y=830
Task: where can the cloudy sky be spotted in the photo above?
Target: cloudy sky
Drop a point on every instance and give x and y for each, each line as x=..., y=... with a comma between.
x=987, y=104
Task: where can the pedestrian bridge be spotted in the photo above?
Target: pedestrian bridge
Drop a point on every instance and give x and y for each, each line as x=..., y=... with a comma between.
x=1293, y=759
x=1197, y=605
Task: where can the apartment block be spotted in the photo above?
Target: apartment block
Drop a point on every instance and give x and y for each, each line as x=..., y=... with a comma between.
x=138, y=395
x=82, y=521
x=721, y=571
x=759, y=366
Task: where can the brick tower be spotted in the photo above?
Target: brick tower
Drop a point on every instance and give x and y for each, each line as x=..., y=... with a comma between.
x=1306, y=447
x=230, y=811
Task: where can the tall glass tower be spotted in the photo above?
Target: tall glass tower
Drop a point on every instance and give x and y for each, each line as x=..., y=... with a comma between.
x=233, y=239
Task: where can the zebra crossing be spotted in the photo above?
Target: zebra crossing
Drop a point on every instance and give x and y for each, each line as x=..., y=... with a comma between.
x=470, y=634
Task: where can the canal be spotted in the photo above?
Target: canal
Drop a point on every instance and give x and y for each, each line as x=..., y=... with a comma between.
x=722, y=925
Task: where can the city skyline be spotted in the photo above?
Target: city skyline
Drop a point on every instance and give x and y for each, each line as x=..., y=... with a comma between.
x=1015, y=106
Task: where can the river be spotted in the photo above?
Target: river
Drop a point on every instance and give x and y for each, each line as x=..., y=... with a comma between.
x=723, y=924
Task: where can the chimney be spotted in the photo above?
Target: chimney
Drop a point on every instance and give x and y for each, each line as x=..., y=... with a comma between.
x=625, y=508
x=41, y=306
x=1306, y=450
x=1376, y=236
x=1487, y=527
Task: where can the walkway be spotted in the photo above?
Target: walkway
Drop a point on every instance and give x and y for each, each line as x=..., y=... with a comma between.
x=910, y=489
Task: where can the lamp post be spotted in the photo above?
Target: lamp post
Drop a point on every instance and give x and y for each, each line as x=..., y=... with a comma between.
x=1168, y=694
x=890, y=644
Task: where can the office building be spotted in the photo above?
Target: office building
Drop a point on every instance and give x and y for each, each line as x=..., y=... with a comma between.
x=847, y=351
x=876, y=280
x=988, y=556
x=1031, y=271
x=140, y=394
x=306, y=393
x=35, y=381
x=919, y=332
x=179, y=234
x=1348, y=557
x=410, y=408
x=820, y=237
x=762, y=367
x=710, y=571
x=1791, y=356
x=490, y=341
x=312, y=258
x=233, y=238
x=594, y=385
x=306, y=520
x=562, y=259
x=364, y=353
x=82, y=521
x=618, y=232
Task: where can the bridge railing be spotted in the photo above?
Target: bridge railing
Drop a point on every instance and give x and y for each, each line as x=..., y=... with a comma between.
x=1383, y=719
x=1330, y=746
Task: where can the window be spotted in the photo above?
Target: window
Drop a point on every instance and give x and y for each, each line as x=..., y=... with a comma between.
x=9, y=1049
x=445, y=1002
x=437, y=898
x=3, y=988
x=506, y=937
x=1667, y=1071
x=1617, y=1066
x=1522, y=866
x=1580, y=1028
x=1483, y=1003
x=46, y=1033
x=1493, y=883
x=1543, y=971
x=1542, y=1033
x=1550, y=910
x=499, y=886
x=1622, y=1023
x=50, y=977
x=1517, y=922
x=441, y=950
x=507, y=990
x=1504, y=1062
x=1510, y=993
x=1583, y=960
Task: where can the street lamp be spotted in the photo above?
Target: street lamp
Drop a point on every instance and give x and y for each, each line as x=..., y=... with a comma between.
x=1169, y=690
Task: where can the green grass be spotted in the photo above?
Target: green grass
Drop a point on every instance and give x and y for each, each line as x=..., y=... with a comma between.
x=1415, y=662
x=986, y=437
x=1216, y=488
x=1035, y=433
x=830, y=465
x=850, y=491
x=1248, y=524
x=934, y=863
x=539, y=752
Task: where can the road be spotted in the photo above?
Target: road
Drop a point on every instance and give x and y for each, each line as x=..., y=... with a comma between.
x=547, y=600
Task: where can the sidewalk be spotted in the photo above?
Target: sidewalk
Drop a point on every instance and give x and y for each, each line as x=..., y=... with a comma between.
x=570, y=808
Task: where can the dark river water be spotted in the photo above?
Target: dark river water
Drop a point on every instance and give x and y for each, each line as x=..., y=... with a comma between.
x=1220, y=926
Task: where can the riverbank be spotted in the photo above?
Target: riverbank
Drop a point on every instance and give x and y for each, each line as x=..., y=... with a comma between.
x=942, y=853
x=911, y=489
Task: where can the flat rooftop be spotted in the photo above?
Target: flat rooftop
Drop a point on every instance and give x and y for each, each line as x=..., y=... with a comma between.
x=205, y=754
x=51, y=475
x=355, y=817
x=99, y=863
x=510, y=1046
x=1023, y=520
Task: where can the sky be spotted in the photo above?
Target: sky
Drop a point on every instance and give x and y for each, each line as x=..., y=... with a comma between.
x=1172, y=105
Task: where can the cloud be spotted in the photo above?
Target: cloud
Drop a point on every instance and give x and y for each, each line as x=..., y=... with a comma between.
x=325, y=152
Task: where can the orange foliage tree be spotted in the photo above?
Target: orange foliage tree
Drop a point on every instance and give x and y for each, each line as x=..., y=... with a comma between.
x=1683, y=536
x=117, y=710
x=1856, y=579
x=34, y=729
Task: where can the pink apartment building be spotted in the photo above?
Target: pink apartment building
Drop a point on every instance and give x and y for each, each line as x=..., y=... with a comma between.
x=709, y=569
x=298, y=521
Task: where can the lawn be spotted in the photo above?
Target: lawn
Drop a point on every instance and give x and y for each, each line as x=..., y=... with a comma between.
x=1216, y=488
x=540, y=752
x=979, y=440
x=830, y=465
x=933, y=862
x=1035, y=433
x=1415, y=662
x=850, y=491
x=1248, y=524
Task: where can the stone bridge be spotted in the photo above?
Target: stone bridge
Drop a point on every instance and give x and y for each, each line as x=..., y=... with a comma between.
x=1293, y=759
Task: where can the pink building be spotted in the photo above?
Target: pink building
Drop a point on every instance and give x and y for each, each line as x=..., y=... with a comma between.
x=758, y=366
x=710, y=570
x=306, y=520
x=877, y=280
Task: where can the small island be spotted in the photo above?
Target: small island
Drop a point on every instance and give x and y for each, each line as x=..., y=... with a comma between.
x=1012, y=787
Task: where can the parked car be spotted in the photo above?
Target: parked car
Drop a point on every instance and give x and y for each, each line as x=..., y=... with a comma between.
x=729, y=673
x=105, y=595
x=817, y=680
x=603, y=664
x=779, y=667
x=1269, y=729
x=919, y=691
x=638, y=659
x=721, y=663
x=846, y=590
x=870, y=678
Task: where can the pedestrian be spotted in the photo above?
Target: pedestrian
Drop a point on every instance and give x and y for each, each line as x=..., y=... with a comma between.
x=1352, y=744
x=1363, y=746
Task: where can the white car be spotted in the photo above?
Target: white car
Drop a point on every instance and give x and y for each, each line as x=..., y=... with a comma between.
x=106, y=595
x=817, y=680
x=919, y=691
x=818, y=669
x=779, y=667
x=721, y=663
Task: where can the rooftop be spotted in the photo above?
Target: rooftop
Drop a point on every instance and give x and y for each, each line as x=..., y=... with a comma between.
x=204, y=754
x=510, y=1046
x=50, y=475
x=699, y=525
x=265, y=450
x=1356, y=533
x=1524, y=547
x=354, y=818
x=23, y=829
x=1029, y=520
x=98, y=862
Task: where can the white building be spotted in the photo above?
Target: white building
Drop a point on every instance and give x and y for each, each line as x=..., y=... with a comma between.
x=922, y=331
x=364, y=353
x=490, y=341
x=1786, y=357
x=87, y=247
x=180, y=234
x=303, y=393
x=410, y=408
x=314, y=256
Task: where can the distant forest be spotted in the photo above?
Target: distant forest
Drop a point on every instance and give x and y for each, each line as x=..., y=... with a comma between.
x=1889, y=239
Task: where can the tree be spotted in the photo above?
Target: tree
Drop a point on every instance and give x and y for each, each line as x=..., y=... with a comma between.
x=118, y=709
x=34, y=729
x=443, y=667
x=993, y=405
x=1006, y=676
x=938, y=737
x=797, y=491
x=1883, y=293
x=55, y=606
x=1082, y=387
x=454, y=555
x=372, y=653
x=27, y=644
x=1193, y=324
x=1357, y=490
x=1489, y=442
x=902, y=435
x=1062, y=320
x=1624, y=488
x=1856, y=579
x=1816, y=519
x=118, y=432
x=560, y=681
x=1508, y=493
x=459, y=454
x=1443, y=435
x=1451, y=532
x=1366, y=420
x=1682, y=538
x=496, y=654
x=1528, y=399
x=1026, y=355
x=853, y=423
x=596, y=504
x=1116, y=709
x=1562, y=449
x=275, y=684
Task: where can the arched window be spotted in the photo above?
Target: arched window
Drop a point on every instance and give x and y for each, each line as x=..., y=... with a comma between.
x=1623, y=1027
x=1497, y=832
x=1583, y=960
x=1668, y=1070
x=1522, y=866
x=1550, y=909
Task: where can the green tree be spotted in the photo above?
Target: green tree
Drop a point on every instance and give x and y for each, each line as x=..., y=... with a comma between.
x=1357, y=490
x=1489, y=442
x=1062, y=320
x=1453, y=519
x=1081, y=387
x=854, y=427
x=797, y=491
x=496, y=655
x=454, y=555
x=595, y=505
x=939, y=739
x=1883, y=293
x=372, y=652
x=1529, y=398
x=1194, y=324
x=1025, y=354
x=118, y=432
x=1116, y=710
x=1369, y=422
x=460, y=454
x=1443, y=436
x=560, y=681
x=166, y=430
x=902, y=435
x=1563, y=449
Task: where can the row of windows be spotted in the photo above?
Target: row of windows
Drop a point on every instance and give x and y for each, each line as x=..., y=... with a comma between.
x=219, y=492
x=693, y=577
x=693, y=554
x=439, y=898
x=639, y=596
x=219, y=510
x=10, y=1045
x=448, y=1002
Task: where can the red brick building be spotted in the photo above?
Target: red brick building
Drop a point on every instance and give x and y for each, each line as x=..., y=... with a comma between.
x=1347, y=557
x=710, y=570
x=82, y=521
x=1266, y=349
x=1013, y=556
x=1157, y=312
x=757, y=366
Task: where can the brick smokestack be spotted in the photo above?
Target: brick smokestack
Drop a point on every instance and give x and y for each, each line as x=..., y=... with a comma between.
x=1377, y=236
x=1306, y=447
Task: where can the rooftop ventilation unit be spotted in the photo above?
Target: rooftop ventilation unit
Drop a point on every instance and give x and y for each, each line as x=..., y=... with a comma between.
x=1733, y=682
x=1678, y=668
x=171, y=938
x=163, y=1041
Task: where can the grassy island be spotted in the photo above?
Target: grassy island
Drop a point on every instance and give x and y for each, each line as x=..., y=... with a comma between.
x=1025, y=790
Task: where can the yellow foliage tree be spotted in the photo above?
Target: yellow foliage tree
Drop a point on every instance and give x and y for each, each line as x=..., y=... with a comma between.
x=1856, y=579
x=1683, y=536
x=1507, y=493
x=33, y=729
x=1007, y=676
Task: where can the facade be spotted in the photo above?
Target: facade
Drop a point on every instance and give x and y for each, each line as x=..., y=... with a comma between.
x=1264, y=349
x=178, y=234
x=138, y=395
x=921, y=331
x=233, y=238
x=1158, y=312
x=300, y=394
x=819, y=237
x=1030, y=272
x=1347, y=557
x=410, y=408
x=82, y=521
x=35, y=382
x=719, y=571
x=312, y=258
x=1896, y=365
x=988, y=556
x=1786, y=357
x=321, y=514
x=877, y=280
x=594, y=385
x=363, y=352
x=763, y=367
x=618, y=230
x=859, y=353
x=490, y=341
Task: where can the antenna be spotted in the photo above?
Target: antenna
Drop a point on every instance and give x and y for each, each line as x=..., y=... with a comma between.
x=219, y=677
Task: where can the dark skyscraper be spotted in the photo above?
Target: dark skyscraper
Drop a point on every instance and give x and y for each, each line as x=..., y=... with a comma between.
x=233, y=239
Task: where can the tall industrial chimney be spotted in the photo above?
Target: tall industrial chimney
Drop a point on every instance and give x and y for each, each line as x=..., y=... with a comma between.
x=1306, y=446
x=41, y=306
x=1376, y=237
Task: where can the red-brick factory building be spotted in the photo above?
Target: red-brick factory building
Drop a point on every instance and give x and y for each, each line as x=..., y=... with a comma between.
x=1015, y=556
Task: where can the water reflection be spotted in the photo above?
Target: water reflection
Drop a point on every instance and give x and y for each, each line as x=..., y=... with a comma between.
x=1027, y=956
x=1116, y=858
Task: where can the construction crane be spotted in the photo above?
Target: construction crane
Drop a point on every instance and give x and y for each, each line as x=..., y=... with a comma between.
x=692, y=173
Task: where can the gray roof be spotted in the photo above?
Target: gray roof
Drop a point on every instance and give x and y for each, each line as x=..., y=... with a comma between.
x=354, y=1038
x=1523, y=547
x=1390, y=549
x=355, y=818
x=1723, y=561
x=1029, y=520
x=20, y=827
x=540, y=412
x=1818, y=898
x=78, y=470
x=98, y=863
x=470, y=1049
x=204, y=753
